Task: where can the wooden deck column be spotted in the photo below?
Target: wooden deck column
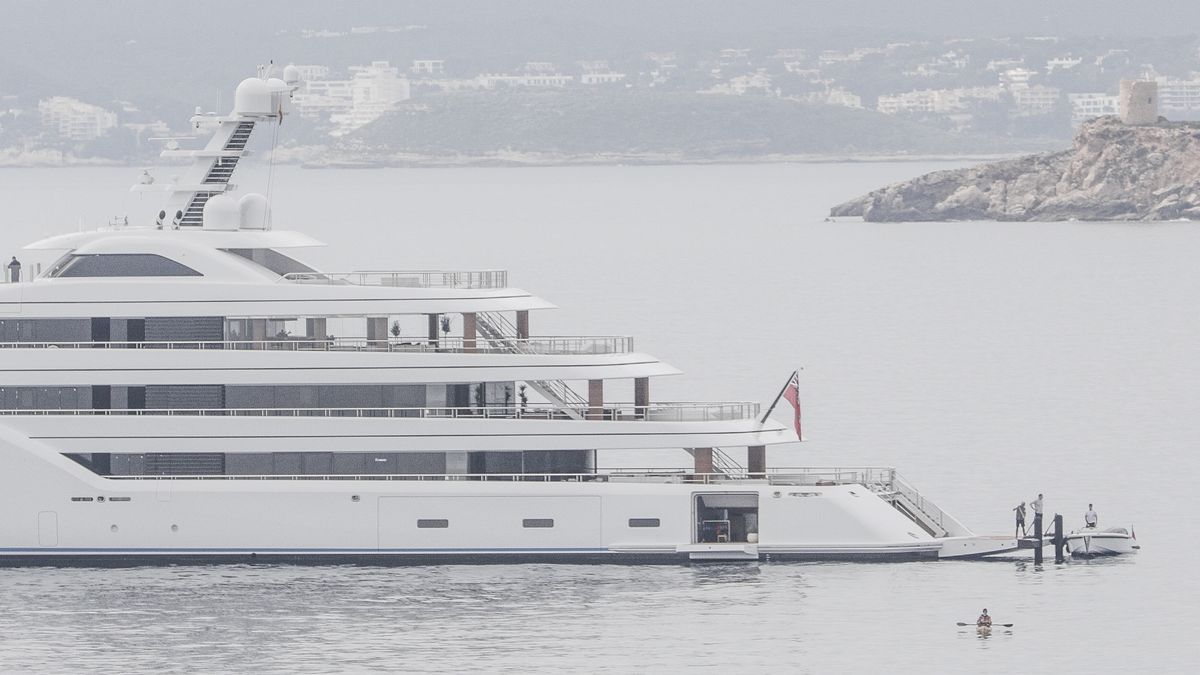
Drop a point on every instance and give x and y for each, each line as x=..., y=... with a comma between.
x=704, y=460
x=377, y=329
x=469, y=333
x=523, y=324
x=641, y=396
x=756, y=461
x=434, y=327
x=258, y=333
x=595, y=399
x=316, y=328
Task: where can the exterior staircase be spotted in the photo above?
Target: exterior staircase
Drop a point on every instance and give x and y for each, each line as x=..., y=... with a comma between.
x=723, y=463
x=218, y=175
x=502, y=334
x=906, y=499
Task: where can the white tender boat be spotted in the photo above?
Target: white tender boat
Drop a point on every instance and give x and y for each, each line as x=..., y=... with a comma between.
x=1090, y=542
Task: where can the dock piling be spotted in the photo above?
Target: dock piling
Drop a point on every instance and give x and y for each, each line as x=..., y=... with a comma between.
x=1037, y=535
x=1059, y=540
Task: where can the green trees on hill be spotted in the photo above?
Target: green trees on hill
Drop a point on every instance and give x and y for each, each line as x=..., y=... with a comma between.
x=580, y=122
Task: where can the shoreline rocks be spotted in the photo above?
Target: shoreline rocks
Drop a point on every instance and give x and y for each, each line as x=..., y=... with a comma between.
x=1113, y=172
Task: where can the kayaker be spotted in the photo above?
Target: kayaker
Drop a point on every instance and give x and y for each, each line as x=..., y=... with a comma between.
x=984, y=621
x=1020, y=509
x=1090, y=518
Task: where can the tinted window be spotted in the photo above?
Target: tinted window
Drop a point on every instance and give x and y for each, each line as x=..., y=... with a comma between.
x=538, y=522
x=644, y=522
x=123, y=265
x=435, y=523
x=271, y=259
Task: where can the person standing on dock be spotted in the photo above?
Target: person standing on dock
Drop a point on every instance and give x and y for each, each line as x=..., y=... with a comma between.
x=1090, y=518
x=1020, y=509
x=1037, y=512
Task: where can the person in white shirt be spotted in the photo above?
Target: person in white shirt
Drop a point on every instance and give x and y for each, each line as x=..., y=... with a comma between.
x=1037, y=512
x=1090, y=518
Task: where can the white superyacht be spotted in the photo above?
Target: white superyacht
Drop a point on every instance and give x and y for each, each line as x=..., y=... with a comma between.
x=171, y=391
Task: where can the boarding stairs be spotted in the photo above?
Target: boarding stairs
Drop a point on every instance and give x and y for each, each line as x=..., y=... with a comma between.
x=906, y=499
x=502, y=334
x=218, y=174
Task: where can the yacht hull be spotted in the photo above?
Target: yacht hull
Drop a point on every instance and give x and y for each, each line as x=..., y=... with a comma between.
x=382, y=559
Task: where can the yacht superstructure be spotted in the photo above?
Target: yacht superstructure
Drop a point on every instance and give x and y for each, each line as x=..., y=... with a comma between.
x=174, y=390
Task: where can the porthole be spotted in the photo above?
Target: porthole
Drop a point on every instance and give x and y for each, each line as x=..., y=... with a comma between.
x=100, y=499
x=174, y=528
x=114, y=528
x=355, y=498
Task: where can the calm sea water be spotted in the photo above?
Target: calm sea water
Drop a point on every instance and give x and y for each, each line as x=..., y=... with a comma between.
x=987, y=361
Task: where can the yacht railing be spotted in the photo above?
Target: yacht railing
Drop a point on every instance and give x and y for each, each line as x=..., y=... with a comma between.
x=547, y=345
x=465, y=279
x=940, y=522
x=615, y=412
x=784, y=476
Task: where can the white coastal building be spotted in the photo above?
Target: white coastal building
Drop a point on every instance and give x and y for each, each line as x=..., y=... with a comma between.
x=1036, y=100
x=75, y=120
x=427, y=67
x=1089, y=105
x=1178, y=98
x=371, y=91
x=940, y=101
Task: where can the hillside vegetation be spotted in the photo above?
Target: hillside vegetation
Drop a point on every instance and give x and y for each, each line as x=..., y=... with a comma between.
x=630, y=122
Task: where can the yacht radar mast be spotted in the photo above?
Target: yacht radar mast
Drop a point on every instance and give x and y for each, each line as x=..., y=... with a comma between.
x=260, y=99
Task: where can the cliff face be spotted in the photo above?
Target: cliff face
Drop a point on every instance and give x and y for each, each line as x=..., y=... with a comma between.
x=1114, y=172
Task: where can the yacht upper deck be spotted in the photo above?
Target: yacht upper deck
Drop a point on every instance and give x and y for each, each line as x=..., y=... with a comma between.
x=462, y=279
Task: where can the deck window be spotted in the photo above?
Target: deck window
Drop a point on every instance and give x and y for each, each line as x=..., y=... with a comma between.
x=537, y=522
x=644, y=522
x=433, y=523
x=121, y=265
x=271, y=259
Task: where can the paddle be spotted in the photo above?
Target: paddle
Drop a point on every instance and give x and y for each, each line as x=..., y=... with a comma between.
x=1005, y=625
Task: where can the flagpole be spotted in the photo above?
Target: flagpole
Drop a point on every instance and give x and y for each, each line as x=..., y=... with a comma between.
x=795, y=373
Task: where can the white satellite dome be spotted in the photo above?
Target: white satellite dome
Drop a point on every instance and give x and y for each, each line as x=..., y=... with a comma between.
x=254, y=213
x=291, y=74
x=221, y=212
x=253, y=97
x=280, y=94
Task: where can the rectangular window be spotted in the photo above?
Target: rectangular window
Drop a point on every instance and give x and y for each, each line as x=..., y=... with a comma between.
x=433, y=523
x=81, y=499
x=644, y=522
x=120, y=499
x=537, y=522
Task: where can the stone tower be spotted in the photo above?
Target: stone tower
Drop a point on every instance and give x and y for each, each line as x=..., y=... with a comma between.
x=1138, y=102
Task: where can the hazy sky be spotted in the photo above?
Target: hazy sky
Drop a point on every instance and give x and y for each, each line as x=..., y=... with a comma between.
x=175, y=48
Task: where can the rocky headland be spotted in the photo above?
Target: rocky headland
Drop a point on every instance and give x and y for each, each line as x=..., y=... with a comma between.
x=1113, y=172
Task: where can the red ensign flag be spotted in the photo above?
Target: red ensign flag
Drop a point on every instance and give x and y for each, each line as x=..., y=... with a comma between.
x=792, y=393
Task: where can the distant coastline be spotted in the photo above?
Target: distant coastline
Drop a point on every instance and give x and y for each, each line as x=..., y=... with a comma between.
x=516, y=160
